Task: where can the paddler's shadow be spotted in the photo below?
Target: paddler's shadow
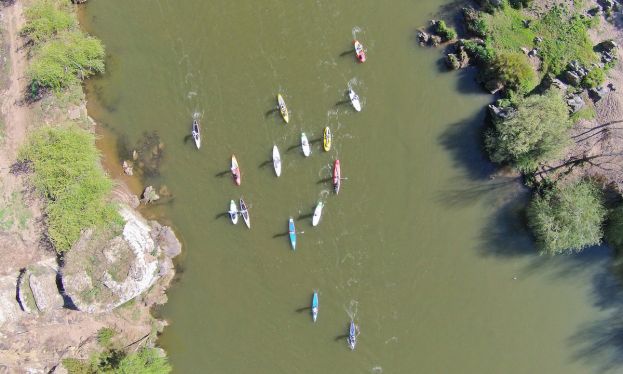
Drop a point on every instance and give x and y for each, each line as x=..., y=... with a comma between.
x=187, y=138
x=291, y=148
x=265, y=164
x=340, y=337
x=222, y=173
x=317, y=140
x=271, y=112
x=326, y=180
x=305, y=216
x=347, y=52
x=221, y=215
x=301, y=310
x=342, y=102
x=280, y=235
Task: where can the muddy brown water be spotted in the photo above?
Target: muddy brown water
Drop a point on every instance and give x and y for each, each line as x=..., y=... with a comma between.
x=425, y=252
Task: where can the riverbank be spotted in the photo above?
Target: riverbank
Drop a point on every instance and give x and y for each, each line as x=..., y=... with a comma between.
x=555, y=68
x=63, y=303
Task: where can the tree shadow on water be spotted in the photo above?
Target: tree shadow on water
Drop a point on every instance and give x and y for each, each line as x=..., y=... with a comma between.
x=464, y=141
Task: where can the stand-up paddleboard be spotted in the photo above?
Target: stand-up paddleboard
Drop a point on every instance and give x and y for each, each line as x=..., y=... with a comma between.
x=327, y=139
x=317, y=213
x=354, y=99
x=235, y=170
x=305, y=145
x=233, y=212
x=292, y=233
x=276, y=160
x=314, y=306
x=352, y=335
x=337, y=176
x=283, y=109
x=245, y=213
x=196, y=133
x=361, y=54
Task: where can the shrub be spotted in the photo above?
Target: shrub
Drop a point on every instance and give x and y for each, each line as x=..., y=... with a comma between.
x=567, y=219
x=535, y=133
x=46, y=18
x=514, y=70
x=446, y=33
x=474, y=24
x=520, y=3
x=594, y=78
x=105, y=335
x=68, y=174
x=66, y=60
x=478, y=52
x=145, y=361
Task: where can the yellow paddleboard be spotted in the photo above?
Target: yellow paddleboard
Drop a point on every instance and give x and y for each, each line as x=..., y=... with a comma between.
x=327, y=139
x=283, y=108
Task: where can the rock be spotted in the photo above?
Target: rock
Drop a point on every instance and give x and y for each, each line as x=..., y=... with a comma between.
x=595, y=11
x=559, y=84
x=526, y=23
x=120, y=267
x=575, y=103
x=42, y=281
x=572, y=78
x=435, y=40
x=134, y=155
x=501, y=113
x=607, y=45
x=598, y=93
x=452, y=61
x=537, y=40
x=423, y=37
x=463, y=57
x=525, y=50
x=127, y=168
x=10, y=310
x=533, y=52
x=472, y=20
x=149, y=195
x=166, y=240
x=493, y=86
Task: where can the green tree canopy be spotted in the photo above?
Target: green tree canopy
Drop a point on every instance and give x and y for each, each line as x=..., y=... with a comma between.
x=567, y=219
x=514, y=70
x=535, y=133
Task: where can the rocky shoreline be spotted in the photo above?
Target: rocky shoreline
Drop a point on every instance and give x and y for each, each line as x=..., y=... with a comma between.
x=52, y=306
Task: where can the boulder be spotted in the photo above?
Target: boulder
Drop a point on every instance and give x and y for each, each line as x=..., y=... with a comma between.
x=598, y=93
x=435, y=40
x=10, y=310
x=575, y=103
x=537, y=40
x=42, y=281
x=423, y=37
x=501, y=113
x=103, y=271
x=127, y=168
x=572, y=78
x=607, y=45
x=149, y=195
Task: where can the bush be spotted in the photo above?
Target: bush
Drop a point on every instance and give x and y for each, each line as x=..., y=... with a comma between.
x=446, y=33
x=568, y=219
x=68, y=174
x=474, y=24
x=514, y=70
x=520, y=3
x=66, y=60
x=46, y=18
x=594, y=78
x=145, y=361
x=478, y=52
x=535, y=133
x=105, y=335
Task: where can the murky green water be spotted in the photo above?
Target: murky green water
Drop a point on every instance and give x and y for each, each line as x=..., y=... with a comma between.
x=426, y=253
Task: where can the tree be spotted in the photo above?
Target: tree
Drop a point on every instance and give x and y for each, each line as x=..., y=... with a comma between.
x=614, y=229
x=536, y=132
x=567, y=219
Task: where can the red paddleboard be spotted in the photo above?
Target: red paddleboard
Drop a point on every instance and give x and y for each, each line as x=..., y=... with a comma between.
x=361, y=54
x=235, y=170
x=337, y=176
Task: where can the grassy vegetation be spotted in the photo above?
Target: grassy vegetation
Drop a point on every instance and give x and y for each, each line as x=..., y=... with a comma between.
x=144, y=361
x=105, y=335
x=68, y=174
x=62, y=55
x=446, y=33
x=563, y=33
x=66, y=60
x=567, y=219
x=587, y=113
x=535, y=133
x=14, y=214
x=46, y=18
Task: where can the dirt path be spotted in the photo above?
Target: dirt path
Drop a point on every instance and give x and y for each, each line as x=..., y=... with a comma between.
x=20, y=223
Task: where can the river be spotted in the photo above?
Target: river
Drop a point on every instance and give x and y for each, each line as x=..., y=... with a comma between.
x=421, y=248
